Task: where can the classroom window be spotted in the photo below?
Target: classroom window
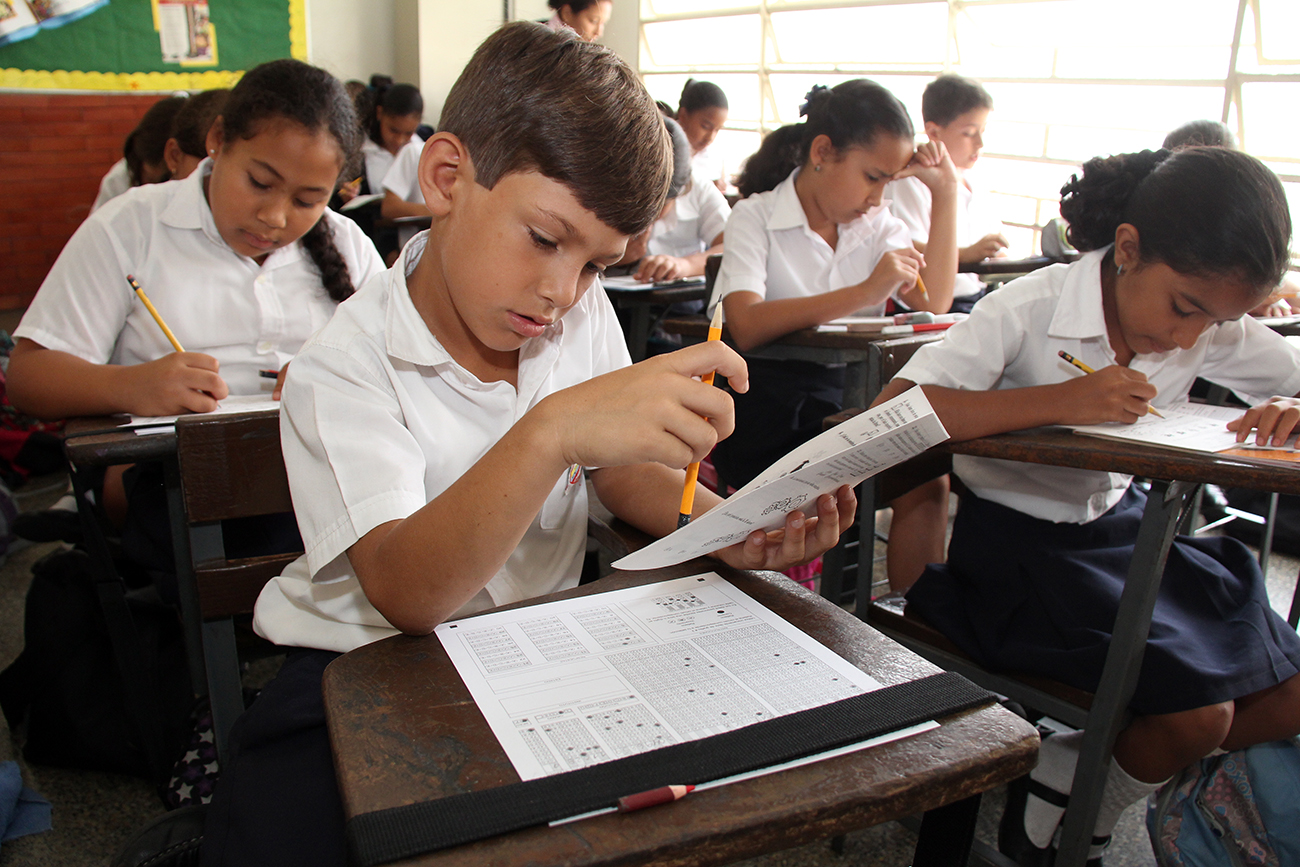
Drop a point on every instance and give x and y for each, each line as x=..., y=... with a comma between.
x=1071, y=79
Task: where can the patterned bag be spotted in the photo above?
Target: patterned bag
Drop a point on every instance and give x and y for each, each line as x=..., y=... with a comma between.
x=1240, y=808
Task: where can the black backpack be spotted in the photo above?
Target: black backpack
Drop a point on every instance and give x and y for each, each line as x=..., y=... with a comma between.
x=102, y=682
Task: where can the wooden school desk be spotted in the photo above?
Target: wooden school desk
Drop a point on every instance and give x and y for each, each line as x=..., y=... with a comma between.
x=643, y=308
x=995, y=272
x=404, y=729
x=1175, y=477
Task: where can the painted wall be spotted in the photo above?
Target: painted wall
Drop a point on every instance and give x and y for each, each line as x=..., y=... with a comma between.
x=352, y=38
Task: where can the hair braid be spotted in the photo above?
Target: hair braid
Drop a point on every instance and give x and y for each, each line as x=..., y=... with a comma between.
x=319, y=244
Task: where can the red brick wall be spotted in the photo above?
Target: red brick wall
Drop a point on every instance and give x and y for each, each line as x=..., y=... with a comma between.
x=53, y=151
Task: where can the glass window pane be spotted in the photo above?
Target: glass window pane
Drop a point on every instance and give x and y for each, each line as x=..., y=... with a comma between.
x=1279, y=22
x=1269, y=111
x=870, y=35
x=790, y=89
x=728, y=41
x=742, y=90
x=735, y=146
x=1157, y=108
x=651, y=8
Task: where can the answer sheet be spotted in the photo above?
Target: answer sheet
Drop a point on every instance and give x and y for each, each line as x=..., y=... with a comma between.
x=581, y=681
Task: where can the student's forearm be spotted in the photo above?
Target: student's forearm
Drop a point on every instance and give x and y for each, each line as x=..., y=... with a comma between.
x=419, y=571
x=49, y=384
x=940, y=271
x=968, y=415
x=648, y=496
x=753, y=322
x=393, y=206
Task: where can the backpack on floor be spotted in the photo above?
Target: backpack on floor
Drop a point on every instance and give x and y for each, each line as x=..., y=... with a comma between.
x=1240, y=808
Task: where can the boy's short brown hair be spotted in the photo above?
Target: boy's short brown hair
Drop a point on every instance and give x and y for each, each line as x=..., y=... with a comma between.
x=536, y=99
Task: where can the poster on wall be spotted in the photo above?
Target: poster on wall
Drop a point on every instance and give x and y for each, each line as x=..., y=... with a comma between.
x=186, y=33
x=133, y=45
x=22, y=19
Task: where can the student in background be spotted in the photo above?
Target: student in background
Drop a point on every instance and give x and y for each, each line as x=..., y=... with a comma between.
x=470, y=389
x=702, y=112
x=142, y=153
x=396, y=113
x=1177, y=248
x=188, y=144
x=689, y=227
x=587, y=18
x=241, y=259
x=955, y=111
x=817, y=245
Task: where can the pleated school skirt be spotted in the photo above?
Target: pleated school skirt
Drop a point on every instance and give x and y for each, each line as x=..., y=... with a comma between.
x=1022, y=594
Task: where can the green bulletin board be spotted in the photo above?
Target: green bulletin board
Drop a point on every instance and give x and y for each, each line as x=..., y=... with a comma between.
x=117, y=48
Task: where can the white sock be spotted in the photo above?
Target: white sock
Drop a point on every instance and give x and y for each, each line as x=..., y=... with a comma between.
x=1056, y=760
x=1121, y=791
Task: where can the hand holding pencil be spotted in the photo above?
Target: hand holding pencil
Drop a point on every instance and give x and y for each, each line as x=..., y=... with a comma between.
x=1132, y=383
x=179, y=382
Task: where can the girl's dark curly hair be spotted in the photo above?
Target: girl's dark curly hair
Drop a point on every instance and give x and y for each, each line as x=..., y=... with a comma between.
x=1200, y=210
x=315, y=99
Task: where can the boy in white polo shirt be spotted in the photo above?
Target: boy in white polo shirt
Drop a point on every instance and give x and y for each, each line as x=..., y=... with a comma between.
x=436, y=432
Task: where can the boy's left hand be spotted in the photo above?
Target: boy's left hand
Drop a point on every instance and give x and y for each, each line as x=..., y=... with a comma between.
x=800, y=540
x=657, y=269
x=1273, y=421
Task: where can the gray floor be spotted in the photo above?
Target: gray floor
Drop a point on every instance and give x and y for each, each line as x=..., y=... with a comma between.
x=95, y=813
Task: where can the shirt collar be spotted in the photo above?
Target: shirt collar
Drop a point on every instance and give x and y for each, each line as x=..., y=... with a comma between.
x=1079, y=313
x=408, y=336
x=787, y=211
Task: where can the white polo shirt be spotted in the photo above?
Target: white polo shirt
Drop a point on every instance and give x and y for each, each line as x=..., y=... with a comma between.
x=249, y=317
x=707, y=165
x=698, y=216
x=910, y=201
x=771, y=251
x=116, y=181
x=403, y=176
x=378, y=161
x=1011, y=340
x=378, y=420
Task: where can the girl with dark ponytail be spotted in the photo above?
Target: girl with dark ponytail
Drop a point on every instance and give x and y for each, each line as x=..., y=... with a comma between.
x=242, y=259
x=1178, y=248
x=394, y=112
x=812, y=243
x=701, y=113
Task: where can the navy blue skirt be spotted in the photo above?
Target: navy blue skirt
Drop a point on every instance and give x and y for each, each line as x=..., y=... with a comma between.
x=1026, y=595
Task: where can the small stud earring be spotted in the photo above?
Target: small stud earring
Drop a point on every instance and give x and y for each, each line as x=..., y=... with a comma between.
x=817, y=168
x=1119, y=269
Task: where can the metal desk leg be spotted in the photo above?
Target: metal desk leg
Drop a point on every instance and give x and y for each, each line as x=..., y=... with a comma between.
x=1123, y=663
x=187, y=593
x=946, y=834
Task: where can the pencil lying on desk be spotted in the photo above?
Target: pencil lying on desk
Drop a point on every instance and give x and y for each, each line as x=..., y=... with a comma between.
x=153, y=311
x=1086, y=369
x=693, y=471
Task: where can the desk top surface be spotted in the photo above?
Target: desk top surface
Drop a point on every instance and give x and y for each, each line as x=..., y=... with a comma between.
x=814, y=338
x=404, y=729
x=658, y=295
x=1062, y=447
x=93, y=441
x=1006, y=266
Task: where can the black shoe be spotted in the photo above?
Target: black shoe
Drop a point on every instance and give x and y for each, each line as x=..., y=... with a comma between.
x=1012, y=839
x=171, y=840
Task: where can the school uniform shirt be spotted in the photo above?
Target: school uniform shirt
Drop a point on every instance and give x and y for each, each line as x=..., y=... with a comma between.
x=378, y=420
x=402, y=176
x=378, y=161
x=771, y=251
x=249, y=317
x=554, y=23
x=1011, y=340
x=116, y=181
x=910, y=201
x=698, y=216
x=707, y=165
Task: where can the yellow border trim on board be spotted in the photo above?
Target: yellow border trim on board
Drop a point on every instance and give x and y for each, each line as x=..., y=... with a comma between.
x=144, y=82
x=298, y=29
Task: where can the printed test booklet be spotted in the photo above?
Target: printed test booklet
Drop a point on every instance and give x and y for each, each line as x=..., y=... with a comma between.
x=1196, y=427
x=871, y=441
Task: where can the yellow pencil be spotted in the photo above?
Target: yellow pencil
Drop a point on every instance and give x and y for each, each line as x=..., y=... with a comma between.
x=693, y=471
x=148, y=305
x=1086, y=369
x=920, y=284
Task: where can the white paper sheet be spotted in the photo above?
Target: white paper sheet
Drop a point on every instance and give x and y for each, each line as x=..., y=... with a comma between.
x=1194, y=427
x=859, y=448
x=582, y=681
x=235, y=403
x=627, y=282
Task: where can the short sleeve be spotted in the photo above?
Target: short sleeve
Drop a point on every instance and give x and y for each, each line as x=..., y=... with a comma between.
x=402, y=175
x=83, y=303
x=1253, y=360
x=974, y=352
x=352, y=463
x=714, y=211
x=909, y=202
x=746, y=241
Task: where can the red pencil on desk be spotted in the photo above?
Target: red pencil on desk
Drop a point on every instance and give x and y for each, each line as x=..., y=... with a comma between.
x=890, y=330
x=653, y=798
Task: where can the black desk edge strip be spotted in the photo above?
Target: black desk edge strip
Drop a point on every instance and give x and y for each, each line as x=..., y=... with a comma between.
x=392, y=834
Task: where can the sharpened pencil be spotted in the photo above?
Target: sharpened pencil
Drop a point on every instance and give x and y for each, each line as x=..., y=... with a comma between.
x=693, y=471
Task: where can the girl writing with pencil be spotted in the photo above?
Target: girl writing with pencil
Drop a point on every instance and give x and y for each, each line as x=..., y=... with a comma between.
x=816, y=243
x=1178, y=248
x=242, y=260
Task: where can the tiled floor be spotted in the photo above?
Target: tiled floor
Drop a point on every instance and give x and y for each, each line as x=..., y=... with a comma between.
x=95, y=813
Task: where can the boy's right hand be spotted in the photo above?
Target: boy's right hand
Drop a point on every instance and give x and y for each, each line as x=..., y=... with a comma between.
x=1113, y=393
x=178, y=383
x=656, y=410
